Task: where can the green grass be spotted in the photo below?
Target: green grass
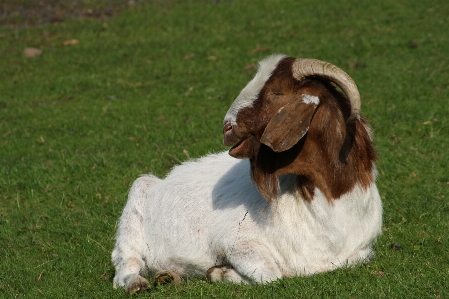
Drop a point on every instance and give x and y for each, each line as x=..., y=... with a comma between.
x=79, y=123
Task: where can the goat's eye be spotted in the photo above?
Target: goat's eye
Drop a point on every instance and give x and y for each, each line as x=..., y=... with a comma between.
x=277, y=92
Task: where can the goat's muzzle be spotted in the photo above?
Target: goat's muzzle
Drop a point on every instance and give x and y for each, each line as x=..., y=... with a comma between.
x=229, y=136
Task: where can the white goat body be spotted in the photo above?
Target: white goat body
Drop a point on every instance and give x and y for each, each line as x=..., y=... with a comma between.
x=208, y=212
x=212, y=212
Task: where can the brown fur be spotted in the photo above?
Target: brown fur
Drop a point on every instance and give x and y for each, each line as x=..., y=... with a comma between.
x=333, y=156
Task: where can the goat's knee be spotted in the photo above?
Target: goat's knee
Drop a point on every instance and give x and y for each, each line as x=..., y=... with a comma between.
x=126, y=269
x=136, y=283
x=165, y=277
x=224, y=274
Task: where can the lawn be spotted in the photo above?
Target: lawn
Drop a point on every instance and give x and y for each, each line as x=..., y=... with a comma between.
x=136, y=89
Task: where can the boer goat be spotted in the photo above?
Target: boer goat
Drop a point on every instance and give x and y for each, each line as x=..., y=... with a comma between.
x=302, y=200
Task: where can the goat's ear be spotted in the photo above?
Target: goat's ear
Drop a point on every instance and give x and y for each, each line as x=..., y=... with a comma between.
x=290, y=123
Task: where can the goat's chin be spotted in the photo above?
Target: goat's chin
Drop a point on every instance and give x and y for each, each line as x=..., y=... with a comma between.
x=242, y=150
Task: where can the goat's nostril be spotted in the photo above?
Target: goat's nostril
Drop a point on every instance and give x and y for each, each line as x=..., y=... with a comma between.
x=227, y=128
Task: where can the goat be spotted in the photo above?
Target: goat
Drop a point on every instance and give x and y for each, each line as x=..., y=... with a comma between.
x=301, y=199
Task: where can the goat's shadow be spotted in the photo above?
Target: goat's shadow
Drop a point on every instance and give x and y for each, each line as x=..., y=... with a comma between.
x=235, y=189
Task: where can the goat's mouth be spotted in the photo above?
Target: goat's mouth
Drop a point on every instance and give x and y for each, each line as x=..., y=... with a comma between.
x=231, y=139
x=236, y=145
x=239, y=142
x=242, y=149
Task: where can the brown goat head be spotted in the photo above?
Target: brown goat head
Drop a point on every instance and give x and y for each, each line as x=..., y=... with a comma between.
x=292, y=119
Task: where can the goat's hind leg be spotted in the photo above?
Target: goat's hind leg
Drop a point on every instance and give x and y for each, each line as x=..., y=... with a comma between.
x=128, y=254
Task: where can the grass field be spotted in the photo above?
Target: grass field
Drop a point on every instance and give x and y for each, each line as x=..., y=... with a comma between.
x=148, y=88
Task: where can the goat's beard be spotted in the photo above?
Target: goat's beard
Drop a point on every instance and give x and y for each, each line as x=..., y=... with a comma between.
x=263, y=173
x=266, y=183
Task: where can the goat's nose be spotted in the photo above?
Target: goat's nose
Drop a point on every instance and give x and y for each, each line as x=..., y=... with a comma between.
x=227, y=128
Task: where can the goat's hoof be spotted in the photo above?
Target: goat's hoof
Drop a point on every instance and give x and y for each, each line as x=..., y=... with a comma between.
x=216, y=274
x=166, y=277
x=136, y=284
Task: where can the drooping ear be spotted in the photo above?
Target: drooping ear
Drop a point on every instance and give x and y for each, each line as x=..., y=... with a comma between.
x=290, y=123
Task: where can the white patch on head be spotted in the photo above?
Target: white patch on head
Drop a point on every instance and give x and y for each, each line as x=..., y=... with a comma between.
x=306, y=98
x=251, y=91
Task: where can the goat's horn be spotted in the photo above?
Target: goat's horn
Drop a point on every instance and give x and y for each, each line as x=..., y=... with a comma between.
x=304, y=67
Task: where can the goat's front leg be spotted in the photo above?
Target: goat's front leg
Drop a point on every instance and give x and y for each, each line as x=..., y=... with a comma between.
x=250, y=262
x=225, y=274
x=165, y=277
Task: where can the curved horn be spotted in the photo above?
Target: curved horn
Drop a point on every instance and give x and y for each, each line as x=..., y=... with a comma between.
x=305, y=67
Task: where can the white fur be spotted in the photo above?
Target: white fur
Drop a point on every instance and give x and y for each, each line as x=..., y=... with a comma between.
x=251, y=91
x=208, y=212
x=306, y=98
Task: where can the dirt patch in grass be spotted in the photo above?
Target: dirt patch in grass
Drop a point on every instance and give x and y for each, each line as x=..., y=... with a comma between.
x=25, y=13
